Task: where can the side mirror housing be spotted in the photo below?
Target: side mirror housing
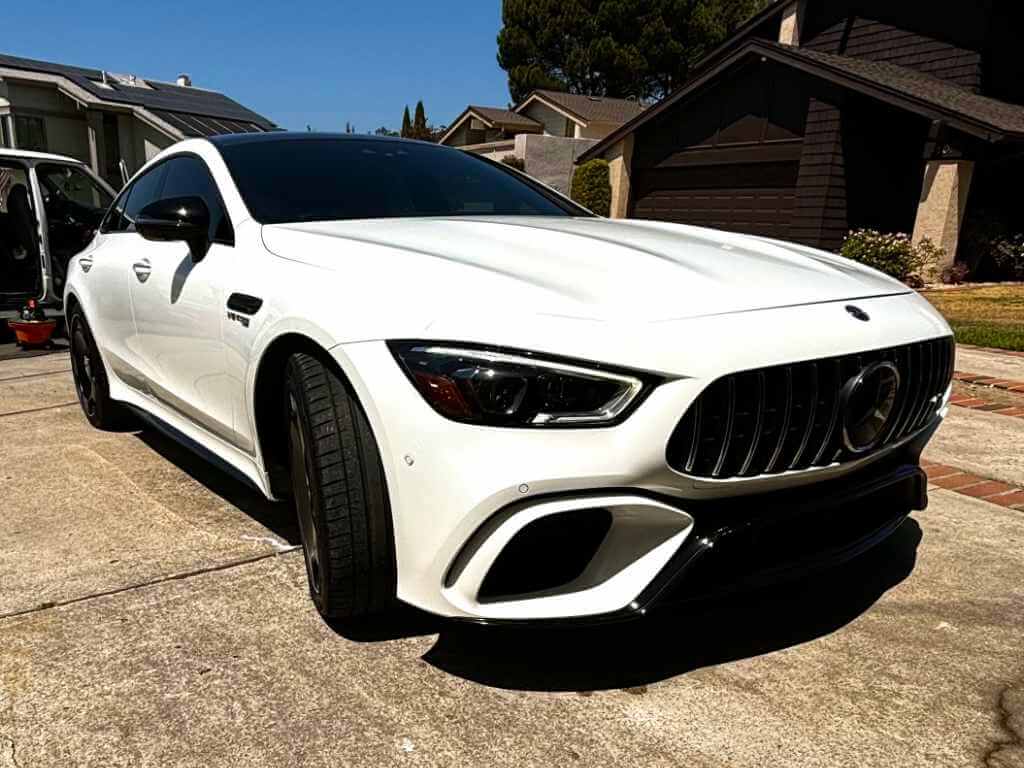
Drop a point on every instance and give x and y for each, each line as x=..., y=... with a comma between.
x=177, y=219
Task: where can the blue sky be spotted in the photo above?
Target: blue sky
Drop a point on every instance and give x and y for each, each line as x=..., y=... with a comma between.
x=313, y=62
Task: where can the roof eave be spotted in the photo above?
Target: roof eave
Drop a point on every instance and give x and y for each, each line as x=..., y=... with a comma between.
x=819, y=69
x=561, y=109
x=466, y=113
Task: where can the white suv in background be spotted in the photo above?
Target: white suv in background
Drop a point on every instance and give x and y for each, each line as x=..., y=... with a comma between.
x=50, y=208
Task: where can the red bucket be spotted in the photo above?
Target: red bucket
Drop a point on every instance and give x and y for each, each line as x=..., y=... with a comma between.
x=33, y=333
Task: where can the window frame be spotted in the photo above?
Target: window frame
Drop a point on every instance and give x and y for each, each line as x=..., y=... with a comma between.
x=16, y=116
x=126, y=194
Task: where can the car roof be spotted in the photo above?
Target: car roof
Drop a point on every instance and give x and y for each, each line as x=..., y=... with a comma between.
x=271, y=137
x=24, y=154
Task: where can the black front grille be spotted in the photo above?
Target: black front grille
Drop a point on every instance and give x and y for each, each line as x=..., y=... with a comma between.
x=787, y=417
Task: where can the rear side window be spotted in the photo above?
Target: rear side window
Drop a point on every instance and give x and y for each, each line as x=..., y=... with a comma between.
x=188, y=176
x=143, y=191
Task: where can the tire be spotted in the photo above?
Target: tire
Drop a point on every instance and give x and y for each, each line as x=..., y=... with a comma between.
x=91, y=383
x=340, y=494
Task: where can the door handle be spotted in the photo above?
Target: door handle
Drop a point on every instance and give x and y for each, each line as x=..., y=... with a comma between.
x=142, y=269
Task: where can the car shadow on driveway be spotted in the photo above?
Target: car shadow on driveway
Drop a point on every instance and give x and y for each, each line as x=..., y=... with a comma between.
x=677, y=640
x=277, y=517
x=667, y=643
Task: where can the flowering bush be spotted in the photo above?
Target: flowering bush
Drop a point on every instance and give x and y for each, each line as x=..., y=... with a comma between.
x=894, y=254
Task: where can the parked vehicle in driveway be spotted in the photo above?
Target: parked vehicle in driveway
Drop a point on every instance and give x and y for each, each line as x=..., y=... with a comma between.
x=50, y=208
x=486, y=401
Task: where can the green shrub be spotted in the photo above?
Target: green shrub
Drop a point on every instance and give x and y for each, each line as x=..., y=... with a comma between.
x=515, y=162
x=893, y=254
x=592, y=188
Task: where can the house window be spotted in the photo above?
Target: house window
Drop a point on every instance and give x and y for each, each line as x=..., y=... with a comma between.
x=5, y=137
x=570, y=128
x=31, y=133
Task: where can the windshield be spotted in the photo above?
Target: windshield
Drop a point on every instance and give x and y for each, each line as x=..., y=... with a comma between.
x=324, y=179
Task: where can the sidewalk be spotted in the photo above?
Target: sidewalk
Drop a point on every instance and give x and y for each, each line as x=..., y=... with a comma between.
x=996, y=364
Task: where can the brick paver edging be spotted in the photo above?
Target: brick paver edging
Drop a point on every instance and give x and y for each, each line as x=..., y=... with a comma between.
x=1010, y=385
x=993, y=491
x=977, y=404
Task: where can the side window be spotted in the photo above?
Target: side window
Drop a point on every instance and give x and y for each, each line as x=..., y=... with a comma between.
x=115, y=221
x=188, y=176
x=143, y=191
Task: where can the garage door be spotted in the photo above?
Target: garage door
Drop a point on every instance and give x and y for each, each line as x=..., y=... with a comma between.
x=753, y=198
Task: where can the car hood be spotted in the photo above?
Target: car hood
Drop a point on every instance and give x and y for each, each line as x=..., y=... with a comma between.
x=583, y=268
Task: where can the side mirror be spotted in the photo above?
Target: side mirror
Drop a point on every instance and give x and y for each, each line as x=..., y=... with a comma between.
x=185, y=219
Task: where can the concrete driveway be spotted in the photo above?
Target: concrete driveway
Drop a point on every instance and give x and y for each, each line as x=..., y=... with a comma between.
x=153, y=612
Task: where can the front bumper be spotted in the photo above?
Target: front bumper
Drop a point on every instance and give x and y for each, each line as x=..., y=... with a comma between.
x=461, y=493
x=756, y=542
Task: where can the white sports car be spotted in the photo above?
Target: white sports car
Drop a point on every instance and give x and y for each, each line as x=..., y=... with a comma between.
x=486, y=401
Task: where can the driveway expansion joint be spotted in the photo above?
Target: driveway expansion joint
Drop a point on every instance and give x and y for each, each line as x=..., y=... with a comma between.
x=152, y=582
x=38, y=410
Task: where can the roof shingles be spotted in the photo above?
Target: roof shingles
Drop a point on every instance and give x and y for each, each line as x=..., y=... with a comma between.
x=505, y=117
x=941, y=94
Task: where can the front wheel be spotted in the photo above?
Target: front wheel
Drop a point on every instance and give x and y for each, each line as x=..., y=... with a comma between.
x=91, y=384
x=340, y=493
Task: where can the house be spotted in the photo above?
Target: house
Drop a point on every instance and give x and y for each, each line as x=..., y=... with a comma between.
x=822, y=116
x=103, y=118
x=547, y=130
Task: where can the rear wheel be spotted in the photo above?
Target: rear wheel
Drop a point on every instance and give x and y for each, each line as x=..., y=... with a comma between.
x=340, y=494
x=90, y=377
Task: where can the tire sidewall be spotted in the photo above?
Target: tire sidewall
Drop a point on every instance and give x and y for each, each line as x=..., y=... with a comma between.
x=298, y=417
x=101, y=416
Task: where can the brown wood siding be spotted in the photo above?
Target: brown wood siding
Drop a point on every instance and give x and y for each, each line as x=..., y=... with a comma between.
x=820, y=215
x=867, y=39
x=944, y=39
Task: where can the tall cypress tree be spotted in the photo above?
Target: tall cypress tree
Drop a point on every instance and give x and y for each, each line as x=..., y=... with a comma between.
x=406, y=131
x=419, y=123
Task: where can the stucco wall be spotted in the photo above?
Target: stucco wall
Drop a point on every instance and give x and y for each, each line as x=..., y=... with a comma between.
x=66, y=127
x=553, y=121
x=551, y=159
x=595, y=130
x=147, y=142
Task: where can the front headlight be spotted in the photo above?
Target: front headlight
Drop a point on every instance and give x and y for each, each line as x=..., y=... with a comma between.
x=517, y=389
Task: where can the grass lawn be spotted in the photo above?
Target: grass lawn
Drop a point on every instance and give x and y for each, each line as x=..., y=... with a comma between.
x=990, y=316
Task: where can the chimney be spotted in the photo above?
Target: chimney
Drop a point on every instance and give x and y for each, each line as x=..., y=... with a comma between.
x=184, y=81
